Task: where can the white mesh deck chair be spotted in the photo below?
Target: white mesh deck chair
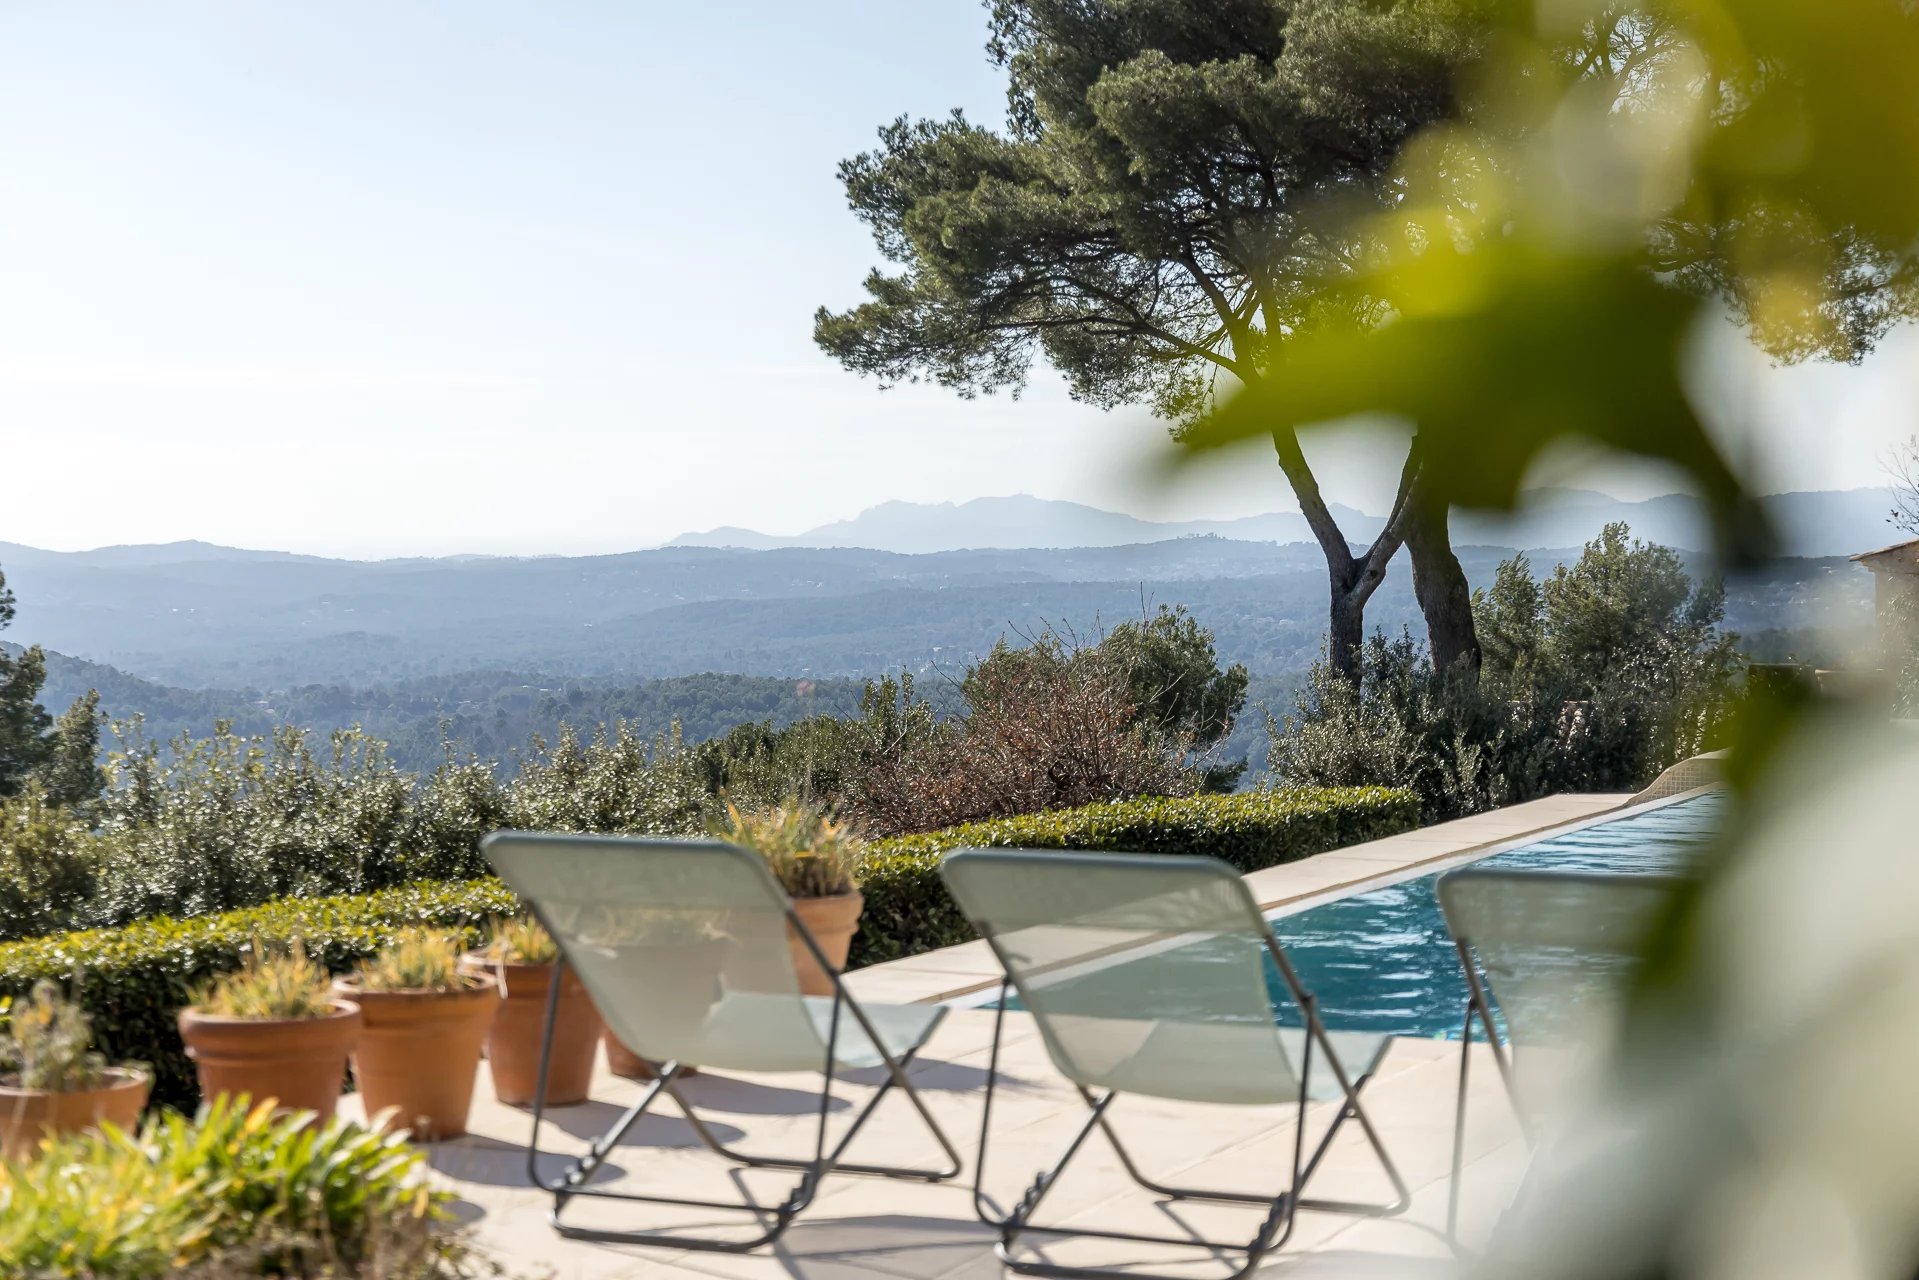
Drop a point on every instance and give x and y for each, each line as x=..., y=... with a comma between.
x=1548, y=953
x=683, y=945
x=1145, y=974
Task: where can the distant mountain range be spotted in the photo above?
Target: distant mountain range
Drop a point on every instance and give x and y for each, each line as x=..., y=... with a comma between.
x=1021, y=520
x=1819, y=523
x=254, y=621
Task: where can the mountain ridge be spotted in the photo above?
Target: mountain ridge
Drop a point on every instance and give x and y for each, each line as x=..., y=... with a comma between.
x=1822, y=522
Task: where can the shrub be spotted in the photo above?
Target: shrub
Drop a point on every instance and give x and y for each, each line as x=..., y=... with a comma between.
x=216, y=823
x=49, y=866
x=1050, y=724
x=138, y=976
x=615, y=782
x=1594, y=679
x=231, y=1192
x=1053, y=725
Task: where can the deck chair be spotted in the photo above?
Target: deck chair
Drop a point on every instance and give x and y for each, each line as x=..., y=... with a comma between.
x=683, y=945
x=1145, y=975
x=1546, y=956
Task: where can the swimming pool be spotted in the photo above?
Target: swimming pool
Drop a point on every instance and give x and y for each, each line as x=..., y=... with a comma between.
x=1382, y=960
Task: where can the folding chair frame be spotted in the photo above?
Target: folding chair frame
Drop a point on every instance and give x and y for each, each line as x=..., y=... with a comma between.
x=574, y=1181
x=1479, y=1006
x=1282, y=1209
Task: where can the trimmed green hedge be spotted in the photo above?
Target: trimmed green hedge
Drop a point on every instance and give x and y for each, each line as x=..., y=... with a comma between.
x=908, y=910
x=134, y=979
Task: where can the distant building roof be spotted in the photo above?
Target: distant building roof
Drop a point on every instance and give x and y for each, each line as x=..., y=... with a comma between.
x=1909, y=545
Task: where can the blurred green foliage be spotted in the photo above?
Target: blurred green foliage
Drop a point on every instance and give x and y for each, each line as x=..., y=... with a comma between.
x=233, y=1191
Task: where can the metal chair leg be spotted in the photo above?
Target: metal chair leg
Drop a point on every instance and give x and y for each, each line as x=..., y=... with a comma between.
x=573, y=1183
x=1459, y=1129
x=1273, y=1231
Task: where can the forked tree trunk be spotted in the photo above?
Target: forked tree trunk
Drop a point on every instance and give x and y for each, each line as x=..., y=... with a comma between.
x=1346, y=630
x=1439, y=584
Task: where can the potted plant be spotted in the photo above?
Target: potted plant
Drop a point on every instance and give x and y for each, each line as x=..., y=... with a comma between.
x=696, y=950
x=425, y=1020
x=519, y=957
x=51, y=1080
x=813, y=858
x=271, y=1029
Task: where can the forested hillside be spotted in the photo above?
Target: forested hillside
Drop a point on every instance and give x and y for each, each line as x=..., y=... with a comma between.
x=247, y=622
x=491, y=714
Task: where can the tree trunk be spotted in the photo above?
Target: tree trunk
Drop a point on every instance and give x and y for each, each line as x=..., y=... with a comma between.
x=1347, y=630
x=1439, y=584
x=1353, y=579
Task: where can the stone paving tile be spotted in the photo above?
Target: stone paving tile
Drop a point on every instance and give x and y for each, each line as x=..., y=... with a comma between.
x=861, y=1227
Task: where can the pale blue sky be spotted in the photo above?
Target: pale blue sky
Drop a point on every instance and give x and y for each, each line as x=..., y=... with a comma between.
x=385, y=278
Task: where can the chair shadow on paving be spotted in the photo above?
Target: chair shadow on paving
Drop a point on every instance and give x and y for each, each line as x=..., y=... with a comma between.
x=1355, y=1264
x=931, y=1075
x=909, y=1244
x=491, y=1162
x=751, y=1098
x=589, y=1120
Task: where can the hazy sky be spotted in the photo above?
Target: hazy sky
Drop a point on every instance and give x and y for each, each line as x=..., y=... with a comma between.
x=386, y=278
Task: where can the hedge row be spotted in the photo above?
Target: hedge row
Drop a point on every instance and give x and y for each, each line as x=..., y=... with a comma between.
x=908, y=910
x=134, y=979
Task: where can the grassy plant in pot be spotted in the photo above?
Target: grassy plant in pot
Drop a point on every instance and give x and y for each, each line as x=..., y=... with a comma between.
x=425, y=1020
x=813, y=858
x=51, y=1080
x=520, y=957
x=271, y=1030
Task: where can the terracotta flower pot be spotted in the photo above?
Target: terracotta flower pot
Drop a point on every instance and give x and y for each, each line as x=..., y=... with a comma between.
x=513, y=1044
x=419, y=1053
x=28, y=1115
x=301, y=1062
x=697, y=966
x=622, y=1061
x=832, y=922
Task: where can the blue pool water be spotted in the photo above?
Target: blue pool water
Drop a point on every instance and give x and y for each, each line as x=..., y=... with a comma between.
x=1382, y=960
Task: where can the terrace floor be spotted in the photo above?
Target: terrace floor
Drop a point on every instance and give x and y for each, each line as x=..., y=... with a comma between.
x=861, y=1228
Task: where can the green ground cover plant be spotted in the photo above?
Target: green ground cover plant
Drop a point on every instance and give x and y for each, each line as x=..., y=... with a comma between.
x=231, y=1192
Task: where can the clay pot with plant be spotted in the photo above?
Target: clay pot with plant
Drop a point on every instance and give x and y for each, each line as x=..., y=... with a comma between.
x=694, y=948
x=52, y=1082
x=425, y=1021
x=272, y=1029
x=814, y=859
x=520, y=957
